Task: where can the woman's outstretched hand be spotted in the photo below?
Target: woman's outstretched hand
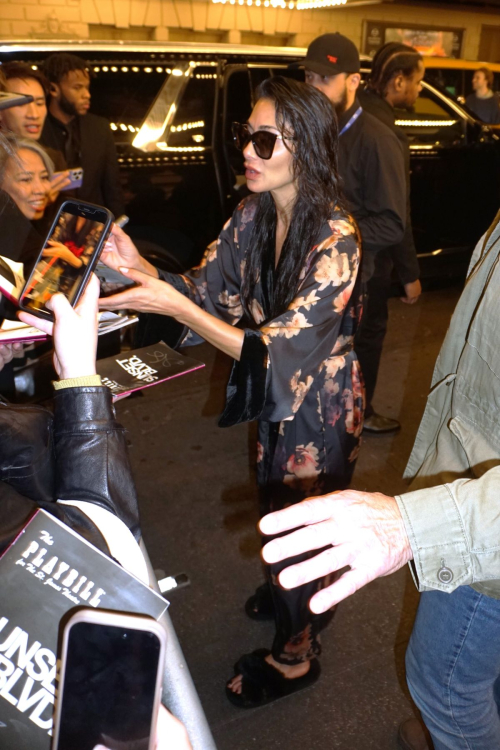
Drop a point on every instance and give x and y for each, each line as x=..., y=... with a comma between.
x=119, y=251
x=151, y=295
x=58, y=250
x=74, y=331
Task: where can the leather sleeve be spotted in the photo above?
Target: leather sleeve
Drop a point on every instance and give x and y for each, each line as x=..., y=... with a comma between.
x=92, y=461
x=79, y=455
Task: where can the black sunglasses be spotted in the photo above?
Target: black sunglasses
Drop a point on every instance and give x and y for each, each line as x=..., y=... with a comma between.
x=263, y=141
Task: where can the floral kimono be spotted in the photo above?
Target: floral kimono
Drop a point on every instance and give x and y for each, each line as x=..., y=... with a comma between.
x=298, y=376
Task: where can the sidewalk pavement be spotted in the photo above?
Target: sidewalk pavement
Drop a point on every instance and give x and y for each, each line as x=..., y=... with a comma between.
x=199, y=511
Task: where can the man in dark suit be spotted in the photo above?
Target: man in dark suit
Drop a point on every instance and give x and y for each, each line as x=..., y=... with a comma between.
x=84, y=139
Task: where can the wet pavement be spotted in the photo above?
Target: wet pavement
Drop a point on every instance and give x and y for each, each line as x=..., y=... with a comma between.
x=199, y=511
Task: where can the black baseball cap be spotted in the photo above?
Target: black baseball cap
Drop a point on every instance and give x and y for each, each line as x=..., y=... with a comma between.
x=330, y=54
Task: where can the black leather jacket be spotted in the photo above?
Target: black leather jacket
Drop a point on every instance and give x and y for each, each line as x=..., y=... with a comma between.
x=77, y=453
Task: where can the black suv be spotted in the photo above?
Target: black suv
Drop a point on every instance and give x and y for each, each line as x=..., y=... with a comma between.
x=171, y=106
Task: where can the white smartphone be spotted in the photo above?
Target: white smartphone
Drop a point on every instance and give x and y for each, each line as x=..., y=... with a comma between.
x=109, y=688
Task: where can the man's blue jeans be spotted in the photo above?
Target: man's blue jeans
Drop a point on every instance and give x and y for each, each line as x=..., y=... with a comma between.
x=453, y=668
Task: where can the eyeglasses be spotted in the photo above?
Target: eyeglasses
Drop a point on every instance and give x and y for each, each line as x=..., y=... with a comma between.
x=263, y=141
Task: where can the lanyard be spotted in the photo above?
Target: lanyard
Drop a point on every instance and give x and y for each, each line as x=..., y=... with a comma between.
x=351, y=121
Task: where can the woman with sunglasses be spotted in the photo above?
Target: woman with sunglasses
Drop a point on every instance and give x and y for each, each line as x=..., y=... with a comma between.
x=277, y=292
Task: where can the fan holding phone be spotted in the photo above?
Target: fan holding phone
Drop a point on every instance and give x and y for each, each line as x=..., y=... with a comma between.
x=68, y=257
x=85, y=424
x=110, y=685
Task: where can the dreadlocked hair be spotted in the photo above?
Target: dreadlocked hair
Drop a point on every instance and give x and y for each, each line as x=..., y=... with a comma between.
x=306, y=117
x=391, y=60
x=58, y=65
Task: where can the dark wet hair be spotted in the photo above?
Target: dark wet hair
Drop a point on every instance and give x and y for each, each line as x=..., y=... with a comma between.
x=58, y=65
x=307, y=116
x=24, y=72
x=391, y=60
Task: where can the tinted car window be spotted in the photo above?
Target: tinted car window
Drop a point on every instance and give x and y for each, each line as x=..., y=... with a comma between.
x=169, y=188
x=449, y=79
x=431, y=122
x=238, y=105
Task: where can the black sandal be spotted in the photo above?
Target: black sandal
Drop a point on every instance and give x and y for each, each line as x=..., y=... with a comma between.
x=260, y=606
x=263, y=684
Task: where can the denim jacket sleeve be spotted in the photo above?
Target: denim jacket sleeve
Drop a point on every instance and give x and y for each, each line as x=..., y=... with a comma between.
x=454, y=533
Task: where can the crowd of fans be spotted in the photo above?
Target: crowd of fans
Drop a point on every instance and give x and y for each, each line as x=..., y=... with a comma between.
x=280, y=292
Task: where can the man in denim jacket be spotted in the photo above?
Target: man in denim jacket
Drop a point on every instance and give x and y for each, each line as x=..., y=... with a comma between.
x=447, y=527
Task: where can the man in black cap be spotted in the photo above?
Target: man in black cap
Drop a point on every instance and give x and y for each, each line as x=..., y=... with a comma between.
x=371, y=161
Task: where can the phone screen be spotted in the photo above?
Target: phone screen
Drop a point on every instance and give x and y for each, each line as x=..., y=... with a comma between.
x=109, y=688
x=63, y=262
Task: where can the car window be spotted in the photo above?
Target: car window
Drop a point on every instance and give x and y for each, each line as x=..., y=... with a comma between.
x=170, y=186
x=192, y=123
x=237, y=107
x=124, y=95
x=452, y=80
x=431, y=122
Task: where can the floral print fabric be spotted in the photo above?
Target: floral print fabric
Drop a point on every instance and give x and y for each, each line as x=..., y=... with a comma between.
x=306, y=388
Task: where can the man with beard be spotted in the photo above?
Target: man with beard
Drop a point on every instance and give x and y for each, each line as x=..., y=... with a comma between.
x=395, y=83
x=371, y=161
x=84, y=139
x=371, y=165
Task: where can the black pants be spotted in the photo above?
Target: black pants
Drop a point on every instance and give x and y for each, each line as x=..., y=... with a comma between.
x=369, y=340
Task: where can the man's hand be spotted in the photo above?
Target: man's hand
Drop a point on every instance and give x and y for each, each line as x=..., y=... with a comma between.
x=367, y=532
x=74, y=332
x=413, y=290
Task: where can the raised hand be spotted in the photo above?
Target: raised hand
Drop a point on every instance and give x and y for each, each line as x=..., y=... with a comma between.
x=119, y=251
x=74, y=331
x=367, y=533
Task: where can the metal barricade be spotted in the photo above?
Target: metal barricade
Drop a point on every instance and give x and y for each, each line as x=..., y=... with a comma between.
x=179, y=692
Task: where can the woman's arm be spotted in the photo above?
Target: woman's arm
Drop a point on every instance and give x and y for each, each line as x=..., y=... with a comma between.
x=155, y=296
x=120, y=251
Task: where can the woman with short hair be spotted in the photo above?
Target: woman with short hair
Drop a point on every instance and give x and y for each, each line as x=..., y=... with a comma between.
x=25, y=174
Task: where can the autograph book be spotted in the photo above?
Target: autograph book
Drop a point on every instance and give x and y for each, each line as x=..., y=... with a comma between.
x=47, y=571
x=140, y=368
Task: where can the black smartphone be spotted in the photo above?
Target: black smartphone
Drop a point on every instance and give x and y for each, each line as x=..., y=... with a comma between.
x=110, y=682
x=68, y=257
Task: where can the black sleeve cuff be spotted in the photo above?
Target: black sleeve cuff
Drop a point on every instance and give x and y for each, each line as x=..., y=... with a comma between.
x=85, y=406
x=246, y=390
x=174, y=280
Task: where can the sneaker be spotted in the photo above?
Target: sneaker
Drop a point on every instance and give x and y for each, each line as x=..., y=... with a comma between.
x=377, y=424
x=413, y=735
